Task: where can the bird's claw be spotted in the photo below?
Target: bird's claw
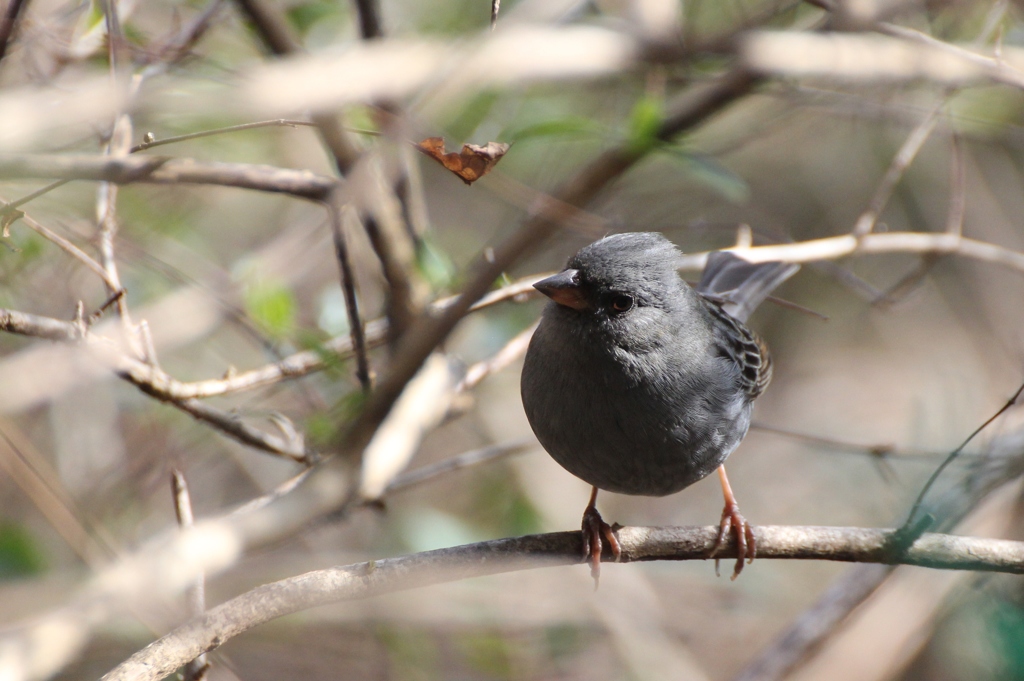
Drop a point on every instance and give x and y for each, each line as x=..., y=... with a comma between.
x=746, y=545
x=595, y=533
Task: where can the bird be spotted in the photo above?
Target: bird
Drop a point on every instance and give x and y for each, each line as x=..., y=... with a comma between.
x=637, y=383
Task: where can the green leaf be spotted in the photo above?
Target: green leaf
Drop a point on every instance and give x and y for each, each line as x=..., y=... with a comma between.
x=272, y=306
x=644, y=124
x=708, y=172
x=19, y=556
x=574, y=126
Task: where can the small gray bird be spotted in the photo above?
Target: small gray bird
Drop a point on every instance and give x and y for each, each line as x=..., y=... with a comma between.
x=638, y=384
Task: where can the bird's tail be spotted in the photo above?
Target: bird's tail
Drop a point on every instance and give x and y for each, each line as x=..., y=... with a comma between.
x=740, y=286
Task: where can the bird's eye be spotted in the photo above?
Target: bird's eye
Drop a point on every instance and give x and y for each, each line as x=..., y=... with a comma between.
x=622, y=302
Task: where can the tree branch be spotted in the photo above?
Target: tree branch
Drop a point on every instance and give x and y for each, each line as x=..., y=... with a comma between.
x=166, y=170
x=833, y=248
x=364, y=580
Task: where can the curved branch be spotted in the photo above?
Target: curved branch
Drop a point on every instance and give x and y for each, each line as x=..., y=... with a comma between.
x=374, y=578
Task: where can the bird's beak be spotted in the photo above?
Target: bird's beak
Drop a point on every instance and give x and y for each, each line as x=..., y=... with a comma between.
x=564, y=289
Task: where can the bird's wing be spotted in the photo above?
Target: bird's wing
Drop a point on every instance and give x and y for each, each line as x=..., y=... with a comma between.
x=744, y=347
x=740, y=286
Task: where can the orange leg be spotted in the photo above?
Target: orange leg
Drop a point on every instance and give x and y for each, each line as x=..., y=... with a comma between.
x=595, y=532
x=735, y=524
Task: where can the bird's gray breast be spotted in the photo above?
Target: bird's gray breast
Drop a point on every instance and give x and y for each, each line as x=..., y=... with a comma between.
x=648, y=423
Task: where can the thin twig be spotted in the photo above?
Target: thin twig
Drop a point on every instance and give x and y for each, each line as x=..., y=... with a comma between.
x=897, y=168
x=72, y=250
x=454, y=463
x=277, y=122
x=348, y=287
x=912, y=516
x=364, y=580
x=196, y=669
x=512, y=350
x=495, y=8
x=230, y=424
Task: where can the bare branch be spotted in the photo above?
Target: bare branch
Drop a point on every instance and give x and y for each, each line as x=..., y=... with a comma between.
x=165, y=170
x=900, y=162
x=276, y=123
x=458, y=462
x=374, y=578
x=348, y=288
x=232, y=425
x=196, y=669
x=25, y=324
x=512, y=351
x=833, y=248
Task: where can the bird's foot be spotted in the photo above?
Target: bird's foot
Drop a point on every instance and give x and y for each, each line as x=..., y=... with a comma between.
x=746, y=545
x=595, y=533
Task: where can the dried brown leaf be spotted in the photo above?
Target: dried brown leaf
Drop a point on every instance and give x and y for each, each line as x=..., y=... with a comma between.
x=470, y=164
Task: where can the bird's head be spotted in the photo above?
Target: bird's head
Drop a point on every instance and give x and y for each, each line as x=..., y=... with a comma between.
x=622, y=286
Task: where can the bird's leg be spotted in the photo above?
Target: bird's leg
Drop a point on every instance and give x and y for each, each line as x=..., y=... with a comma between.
x=735, y=524
x=595, y=532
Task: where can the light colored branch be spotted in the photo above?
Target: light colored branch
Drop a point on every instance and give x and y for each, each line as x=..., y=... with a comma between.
x=869, y=58
x=897, y=168
x=25, y=324
x=195, y=597
x=71, y=249
x=508, y=354
x=160, y=384
x=164, y=170
x=833, y=248
x=374, y=578
x=151, y=380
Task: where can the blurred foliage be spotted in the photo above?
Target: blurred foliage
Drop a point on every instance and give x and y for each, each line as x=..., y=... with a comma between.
x=19, y=554
x=488, y=652
x=1007, y=630
x=412, y=653
x=272, y=306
